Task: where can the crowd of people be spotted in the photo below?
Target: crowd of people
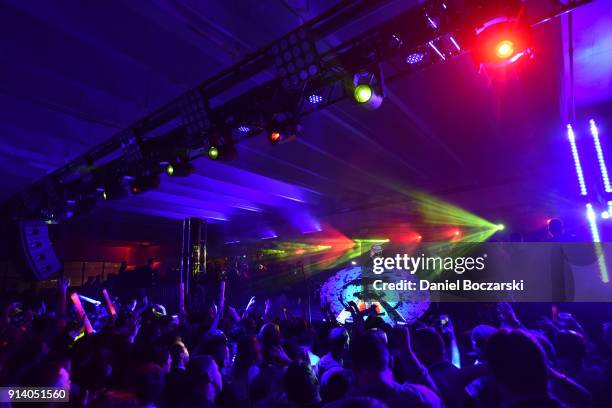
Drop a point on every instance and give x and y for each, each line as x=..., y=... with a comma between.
x=263, y=356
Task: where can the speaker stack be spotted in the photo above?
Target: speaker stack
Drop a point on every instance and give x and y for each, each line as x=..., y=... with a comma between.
x=38, y=250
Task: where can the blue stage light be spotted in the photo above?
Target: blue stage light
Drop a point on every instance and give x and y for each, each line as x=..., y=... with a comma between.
x=601, y=260
x=433, y=47
x=415, y=58
x=244, y=129
x=600, y=157
x=590, y=214
x=572, y=139
x=315, y=99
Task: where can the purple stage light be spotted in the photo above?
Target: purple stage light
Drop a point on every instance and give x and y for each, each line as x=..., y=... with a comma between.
x=415, y=58
x=592, y=219
x=432, y=23
x=601, y=260
x=579, y=173
x=244, y=129
x=455, y=43
x=432, y=45
x=600, y=157
x=315, y=99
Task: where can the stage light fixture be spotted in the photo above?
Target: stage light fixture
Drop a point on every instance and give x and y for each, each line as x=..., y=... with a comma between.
x=600, y=156
x=281, y=133
x=193, y=110
x=501, y=227
x=224, y=152
x=315, y=99
x=363, y=93
x=179, y=169
x=296, y=59
x=274, y=137
x=102, y=193
x=221, y=144
x=579, y=173
x=504, y=49
x=592, y=219
x=605, y=215
x=143, y=184
x=244, y=129
x=213, y=152
x=367, y=90
x=113, y=190
x=415, y=58
x=501, y=42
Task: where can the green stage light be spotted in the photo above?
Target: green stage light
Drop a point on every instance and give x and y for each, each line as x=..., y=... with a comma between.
x=501, y=227
x=213, y=152
x=170, y=170
x=363, y=93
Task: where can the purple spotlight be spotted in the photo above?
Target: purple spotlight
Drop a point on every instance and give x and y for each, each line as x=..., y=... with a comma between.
x=579, y=173
x=315, y=99
x=415, y=58
x=600, y=157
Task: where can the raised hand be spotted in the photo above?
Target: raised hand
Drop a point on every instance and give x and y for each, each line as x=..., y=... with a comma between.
x=506, y=315
x=251, y=303
x=233, y=313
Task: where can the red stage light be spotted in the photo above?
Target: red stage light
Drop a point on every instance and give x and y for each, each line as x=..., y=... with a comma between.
x=275, y=137
x=501, y=42
x=504, y=49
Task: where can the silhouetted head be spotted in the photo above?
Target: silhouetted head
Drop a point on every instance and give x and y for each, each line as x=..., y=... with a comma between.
x=148, y=383
x=555, y=227
x=369, y=353
x=571, y=345
x=338, y=341
x=335, y=383
x=301, y=385
x=269, y=336
x=179, y=354
x=517, y=362
x=480, y=334
x=428, y=345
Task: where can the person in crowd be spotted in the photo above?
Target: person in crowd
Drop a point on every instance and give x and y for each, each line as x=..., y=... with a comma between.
x=264, y=357
x=571, y=350
x=176, y=379
x=519, y=368
x=556, y=230
x=335, y=384
x=338, y=346
x=373, y=376
x=205, y=381
x=301, y=384
x=148, y=384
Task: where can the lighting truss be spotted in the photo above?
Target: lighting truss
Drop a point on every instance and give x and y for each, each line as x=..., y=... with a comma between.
x=571, y=137
x=433, y=25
